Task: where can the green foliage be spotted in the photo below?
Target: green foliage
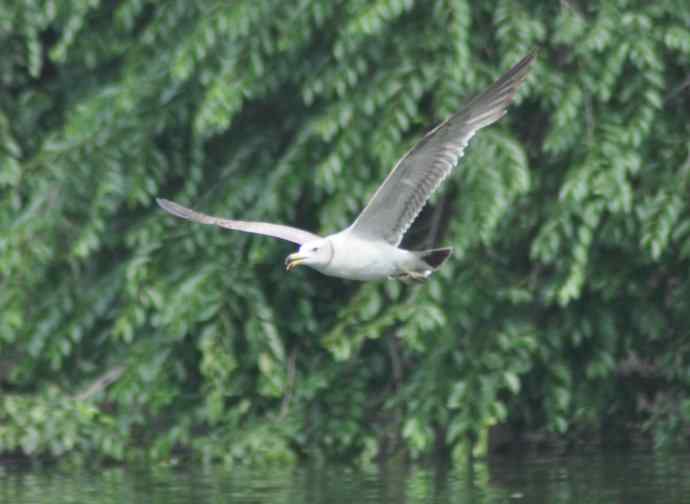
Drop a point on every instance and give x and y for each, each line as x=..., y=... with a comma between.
x=125, y=332
x=51, y=423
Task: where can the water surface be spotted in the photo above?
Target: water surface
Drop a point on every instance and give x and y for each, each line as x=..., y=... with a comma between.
x=582, y=479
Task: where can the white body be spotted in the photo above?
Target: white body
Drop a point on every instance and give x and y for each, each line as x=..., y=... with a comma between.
x=355, y=258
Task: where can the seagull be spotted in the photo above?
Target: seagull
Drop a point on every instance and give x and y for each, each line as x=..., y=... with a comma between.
x=369, y=248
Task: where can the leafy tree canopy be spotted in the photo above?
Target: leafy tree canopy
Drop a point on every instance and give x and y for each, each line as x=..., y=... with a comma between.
x=565, y=308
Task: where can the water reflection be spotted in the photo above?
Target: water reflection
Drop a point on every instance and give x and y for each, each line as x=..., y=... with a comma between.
x=582, y=479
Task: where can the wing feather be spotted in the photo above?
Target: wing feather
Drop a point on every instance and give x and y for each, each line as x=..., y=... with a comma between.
x=288, y=233
x=398, y=201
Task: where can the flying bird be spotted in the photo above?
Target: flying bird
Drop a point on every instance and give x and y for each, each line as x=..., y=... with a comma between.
x=368, y=249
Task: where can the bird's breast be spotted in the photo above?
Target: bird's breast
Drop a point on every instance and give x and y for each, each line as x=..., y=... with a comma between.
x=359, y=259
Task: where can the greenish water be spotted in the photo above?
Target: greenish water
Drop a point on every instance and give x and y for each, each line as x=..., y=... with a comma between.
x=583, y=479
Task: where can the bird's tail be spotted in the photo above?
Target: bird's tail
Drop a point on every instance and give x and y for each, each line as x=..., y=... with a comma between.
x=435, y=257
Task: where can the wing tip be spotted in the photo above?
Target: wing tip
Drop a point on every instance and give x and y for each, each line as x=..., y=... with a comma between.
x=167, y=205
x=530, y=57
x=174, y=209
x=503, y=90
x=518, y=73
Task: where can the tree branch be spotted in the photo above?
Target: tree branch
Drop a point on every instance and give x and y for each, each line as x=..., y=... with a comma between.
x=106, y=379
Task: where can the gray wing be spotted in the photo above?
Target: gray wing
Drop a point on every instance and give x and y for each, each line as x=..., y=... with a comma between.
x=288, y=233
x=403, y=194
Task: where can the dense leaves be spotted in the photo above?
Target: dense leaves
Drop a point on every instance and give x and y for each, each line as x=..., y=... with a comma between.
x=564, y=309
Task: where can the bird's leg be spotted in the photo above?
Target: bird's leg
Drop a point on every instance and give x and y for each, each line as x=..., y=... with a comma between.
x=410, y=277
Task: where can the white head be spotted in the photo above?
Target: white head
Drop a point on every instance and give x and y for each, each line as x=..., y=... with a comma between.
x=317, y=253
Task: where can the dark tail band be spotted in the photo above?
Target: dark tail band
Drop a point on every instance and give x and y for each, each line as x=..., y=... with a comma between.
x=435, y=257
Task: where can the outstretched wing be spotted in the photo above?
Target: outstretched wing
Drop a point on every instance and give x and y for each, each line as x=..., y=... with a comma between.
x=288, y=233
x=403, y=194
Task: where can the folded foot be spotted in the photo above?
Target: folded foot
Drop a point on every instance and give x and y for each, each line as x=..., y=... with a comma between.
x=409, y=277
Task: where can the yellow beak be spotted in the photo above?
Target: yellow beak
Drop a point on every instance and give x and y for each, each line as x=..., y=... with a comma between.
x=293, y=260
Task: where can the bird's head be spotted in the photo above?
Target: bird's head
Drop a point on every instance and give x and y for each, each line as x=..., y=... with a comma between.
x=314, y=253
